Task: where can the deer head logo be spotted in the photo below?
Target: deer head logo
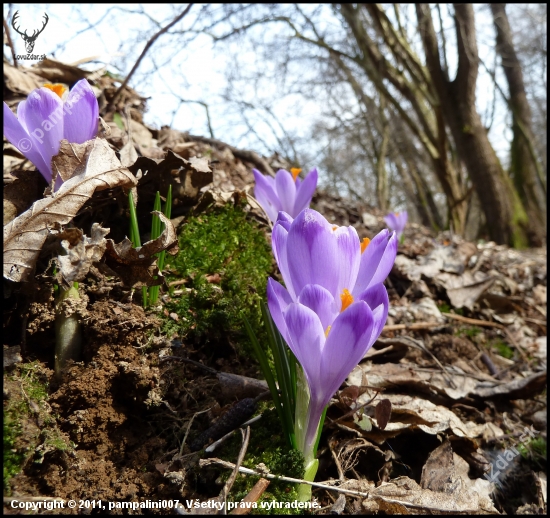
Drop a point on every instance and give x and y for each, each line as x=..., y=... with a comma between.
x=29, y=40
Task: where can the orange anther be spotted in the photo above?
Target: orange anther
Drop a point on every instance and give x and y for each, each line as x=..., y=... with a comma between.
x=364, y=244
x=56, y=88
x=347, y=299
x=295, y=171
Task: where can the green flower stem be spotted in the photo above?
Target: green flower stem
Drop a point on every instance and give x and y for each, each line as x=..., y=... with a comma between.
x=135, y=237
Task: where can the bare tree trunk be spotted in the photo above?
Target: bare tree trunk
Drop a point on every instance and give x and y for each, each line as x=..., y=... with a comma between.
x=506, y=218
x=382, y=186
x=429, y=130
x=419, y=195
x=523, y=166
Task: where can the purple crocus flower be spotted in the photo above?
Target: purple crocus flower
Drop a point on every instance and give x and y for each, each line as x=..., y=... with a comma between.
x=397, y=221
x=334, y=305
x=286, y=192
x=44, y=119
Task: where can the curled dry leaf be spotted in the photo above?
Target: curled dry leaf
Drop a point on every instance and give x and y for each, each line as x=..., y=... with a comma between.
x=75, y=265
x=88, y=167
x=187, y=177
x=136, y=266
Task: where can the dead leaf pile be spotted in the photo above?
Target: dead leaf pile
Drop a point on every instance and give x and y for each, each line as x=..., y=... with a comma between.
x=455, y=380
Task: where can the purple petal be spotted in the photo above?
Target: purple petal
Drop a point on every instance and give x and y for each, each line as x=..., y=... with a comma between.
x=42, y=116
x=306, y=340
x=285, y=220
x=376, y=261
x=266, y=195
x=81, y=113
x=304, y=191
x=349, y=250
x=391, y=220
x=403, y=217
x=278, y=300
x=347, y=342
x=320, y=301
x=27, y=144
x=313, y=255
x=286, y=190
x=279, y=240
x=377, y=298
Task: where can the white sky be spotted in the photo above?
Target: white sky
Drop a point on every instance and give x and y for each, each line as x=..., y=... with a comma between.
x=200, y=67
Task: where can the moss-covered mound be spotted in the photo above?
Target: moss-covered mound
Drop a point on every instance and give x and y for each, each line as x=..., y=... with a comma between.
x=224, y=261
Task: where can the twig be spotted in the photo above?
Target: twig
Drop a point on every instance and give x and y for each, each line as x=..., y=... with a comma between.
x=10, y=42
x=189, y=428
x=237, y=467
x=243, y=154
x=212, y=447
x=247, y=471
x=416, y=326
x=486, y=323
x=473, y=321
x=255, y=493
x=148, y=45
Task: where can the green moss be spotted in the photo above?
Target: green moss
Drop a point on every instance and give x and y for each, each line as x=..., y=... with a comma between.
x=502, y=348
x=534, y=452
x=26, y=389
x=267, y=445
x=13, y=457
x=25, y=408
x=227, y=243
x=470, y=332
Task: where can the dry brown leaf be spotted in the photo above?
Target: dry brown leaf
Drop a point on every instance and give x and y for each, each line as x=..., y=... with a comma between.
x=190, y=175
x=437, y=473
x=137, y=266
x=471, y=497
x=382, y=412
x=415, y=413
x=76, y=264
x=99, y=169
x=20, y=81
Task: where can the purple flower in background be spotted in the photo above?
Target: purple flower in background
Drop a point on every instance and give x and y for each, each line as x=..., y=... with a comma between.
x=44, y=119
x=397, y=221
x=334, y=305
x=286, y=192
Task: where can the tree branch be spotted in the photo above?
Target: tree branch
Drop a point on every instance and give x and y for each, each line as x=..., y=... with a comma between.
x=148, y=45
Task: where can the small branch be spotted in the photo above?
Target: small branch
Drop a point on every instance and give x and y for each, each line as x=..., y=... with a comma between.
x=243, y=154
x=237, y=467
x=255, y=493
x=10, y=42
x=247, y=471
x=148, y=45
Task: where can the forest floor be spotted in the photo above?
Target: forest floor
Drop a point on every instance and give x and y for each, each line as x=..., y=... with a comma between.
x=461, y=360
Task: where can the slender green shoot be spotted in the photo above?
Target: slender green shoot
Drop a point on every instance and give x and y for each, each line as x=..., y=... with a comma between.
x=135, y=237
x=282, y=367
x=271, y=383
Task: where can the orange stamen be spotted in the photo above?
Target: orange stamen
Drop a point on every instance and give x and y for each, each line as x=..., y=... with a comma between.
x=364, y=244
x=327, y=331
x=347, y=299
x=334, y=227
x=57, y=88
x=295, y=171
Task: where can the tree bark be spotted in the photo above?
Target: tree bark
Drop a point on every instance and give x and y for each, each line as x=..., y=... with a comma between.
x=430, y=130
x=523, y=164
x=506, y=218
